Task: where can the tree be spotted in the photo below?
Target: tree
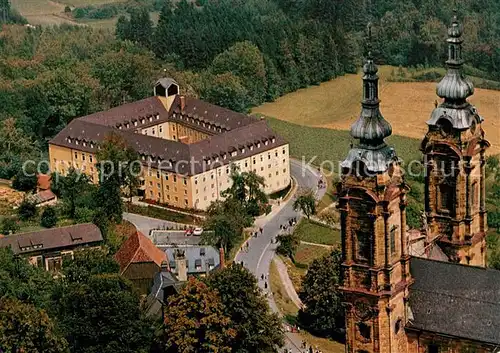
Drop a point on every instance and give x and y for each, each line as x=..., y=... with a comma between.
x=195, y=321
x=247, y=188
x=226, y=219
x=24, y=328
x=225, y=90
x=323, y=313
x=49, y=217
x=118, y=166
x=257, y=329
x=88, y=262
x=123, y=28
x=245, y=61
x=140, y=28
x=102, y=314
x=72, y=187
x=27, y=210
x=288, y=244
x=20, y=280
x=305, y=202
x=10, y=225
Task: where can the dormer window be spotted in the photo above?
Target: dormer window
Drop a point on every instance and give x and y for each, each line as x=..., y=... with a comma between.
x=84, y=144
x=150, y=118
x=135, y=123
x=216, y=159
x=273, y=140
x=157, y=116
x=233, y=154
x=208, y=161
x=242, y=150
x=76, y=141
x=258, y=145
x=91, y=145
x=127, y=125
x=225, y=155
x=143, y=121
x=251, y=148
x=265, y=143
x=69, y=140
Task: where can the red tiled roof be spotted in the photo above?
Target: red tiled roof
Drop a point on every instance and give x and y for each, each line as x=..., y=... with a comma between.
x=43, y=181
x=130, y=112
x=136, y=249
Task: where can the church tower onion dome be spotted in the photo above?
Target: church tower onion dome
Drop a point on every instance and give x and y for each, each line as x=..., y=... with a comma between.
x=455, y=88
x=370, y=128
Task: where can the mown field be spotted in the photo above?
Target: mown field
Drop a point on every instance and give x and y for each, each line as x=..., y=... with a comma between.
x=318, y=145
x=47, y=13
x=313, y=232
x=406, y=105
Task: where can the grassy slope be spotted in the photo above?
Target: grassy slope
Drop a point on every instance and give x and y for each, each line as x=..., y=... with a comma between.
x=316, y=233
x=407, y=105
x=332, y=145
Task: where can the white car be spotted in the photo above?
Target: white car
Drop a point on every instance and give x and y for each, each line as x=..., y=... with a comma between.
x=198, y=231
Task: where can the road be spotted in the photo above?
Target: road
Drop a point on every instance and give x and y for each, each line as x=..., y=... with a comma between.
x=146, y=224
x=261, y=250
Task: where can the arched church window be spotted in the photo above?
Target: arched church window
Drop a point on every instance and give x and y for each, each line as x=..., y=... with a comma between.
x=474, y=197
x=446, y=197
x=392, y=236
x=363, y=245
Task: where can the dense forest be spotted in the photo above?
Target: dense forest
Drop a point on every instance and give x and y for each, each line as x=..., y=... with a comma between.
x=233, y=53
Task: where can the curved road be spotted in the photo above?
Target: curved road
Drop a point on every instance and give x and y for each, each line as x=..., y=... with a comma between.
x=261, y=251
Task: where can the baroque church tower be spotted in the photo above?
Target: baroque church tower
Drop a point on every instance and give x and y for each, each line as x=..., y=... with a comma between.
x=454, y=155
x=372, y=202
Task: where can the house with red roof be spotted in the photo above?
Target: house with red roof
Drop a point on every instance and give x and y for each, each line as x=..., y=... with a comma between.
x=140, y=260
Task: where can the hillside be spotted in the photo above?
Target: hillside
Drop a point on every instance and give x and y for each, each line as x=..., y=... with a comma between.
x=407, y=105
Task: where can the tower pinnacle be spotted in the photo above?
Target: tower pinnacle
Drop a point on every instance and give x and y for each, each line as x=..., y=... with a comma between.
x=455, y=87
x=370, y=128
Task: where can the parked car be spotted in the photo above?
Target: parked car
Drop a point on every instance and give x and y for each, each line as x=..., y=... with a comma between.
x=189, y=231
x=198, y=231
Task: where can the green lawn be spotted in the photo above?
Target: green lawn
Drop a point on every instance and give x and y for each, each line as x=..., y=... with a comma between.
x=313, y=232
x=321, y=145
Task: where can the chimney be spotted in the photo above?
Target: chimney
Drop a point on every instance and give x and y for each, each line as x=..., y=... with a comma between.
x=222, y=258
x=183, y=102
x=181, y=264
x=164, y=266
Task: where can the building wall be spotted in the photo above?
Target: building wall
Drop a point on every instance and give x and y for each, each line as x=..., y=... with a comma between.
x=62, y=158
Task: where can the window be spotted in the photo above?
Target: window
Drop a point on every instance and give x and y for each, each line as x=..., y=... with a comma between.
x=83, y=156
x=158, y=185
x=76, y=155
x=261, y=169
x=473, y=199
x=276, y=154
x=167, y=187
x=168, y=197
x=432, y=348
x=397, y=326
x=284, y=170
x=269, y=156
x=284, y=151
x=176, y=199
x=54, y=264
x=185, y=192
x=246, y=164
x=212, y=186
x=161, y=129
x=393, y=240
x=211, y=176
x=202, y=252
x=153, y=131
x=254, y=161
x=175, y=178
x=158, y=174
x=90, y=157
x=364, y=331
x=363, y=245
x=446, y=198
x=185, y=202
x=135, y=123
x=166, y=176
x=150, y=183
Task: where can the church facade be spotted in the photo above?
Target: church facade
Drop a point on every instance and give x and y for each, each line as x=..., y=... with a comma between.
x=444, y=299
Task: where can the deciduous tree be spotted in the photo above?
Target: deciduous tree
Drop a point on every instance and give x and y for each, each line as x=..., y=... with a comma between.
x=72, y=187
x=305, y=202
x=49, y=217
x=323, y=313
x=195, y=321
x=257, y=329
x=102, y=314
x=24, y=328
